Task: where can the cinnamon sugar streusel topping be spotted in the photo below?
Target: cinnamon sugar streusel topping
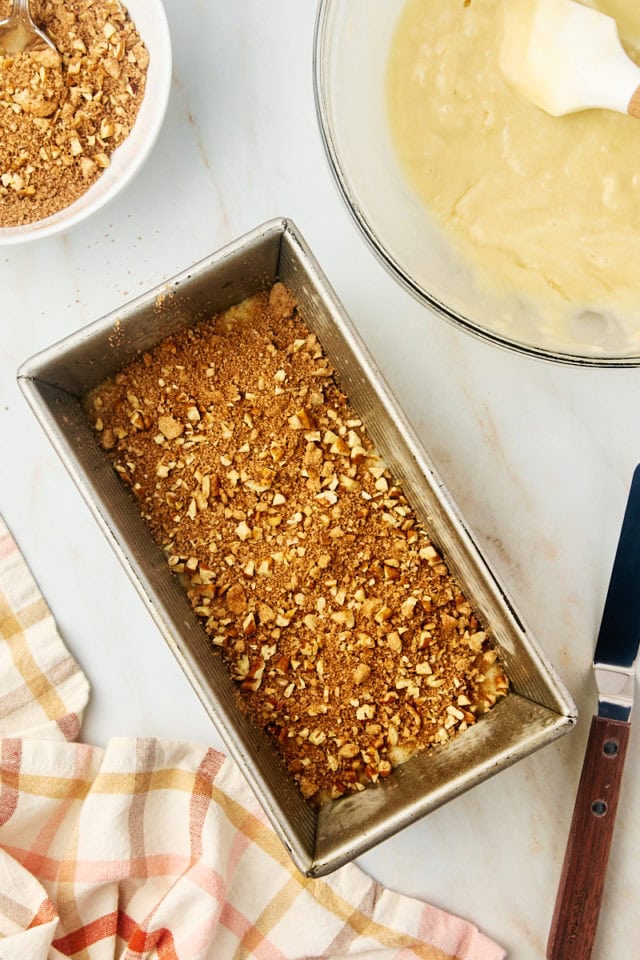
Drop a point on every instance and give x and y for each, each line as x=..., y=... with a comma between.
x=351, y=643
x=62, y=117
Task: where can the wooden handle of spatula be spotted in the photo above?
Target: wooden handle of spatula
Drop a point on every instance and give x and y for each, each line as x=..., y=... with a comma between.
x=581, y=886
x=634, y=104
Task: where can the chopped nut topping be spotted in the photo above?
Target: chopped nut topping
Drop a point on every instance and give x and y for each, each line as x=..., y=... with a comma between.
x=361, y=673
x=61, y=117
x=170, y=428
x=350, y=642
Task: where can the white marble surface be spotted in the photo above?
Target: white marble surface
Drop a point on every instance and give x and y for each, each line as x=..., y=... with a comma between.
x=538, y=458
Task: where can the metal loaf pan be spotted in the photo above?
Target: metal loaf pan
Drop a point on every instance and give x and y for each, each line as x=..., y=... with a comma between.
x=536, y=711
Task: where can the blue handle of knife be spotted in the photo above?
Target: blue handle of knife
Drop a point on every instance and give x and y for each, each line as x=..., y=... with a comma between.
x=619, y=636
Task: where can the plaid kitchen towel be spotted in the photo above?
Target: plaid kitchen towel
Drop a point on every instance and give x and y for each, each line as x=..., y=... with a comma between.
x=156, y=849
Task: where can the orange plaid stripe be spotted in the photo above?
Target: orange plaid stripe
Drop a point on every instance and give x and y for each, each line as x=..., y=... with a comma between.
x=45, y=914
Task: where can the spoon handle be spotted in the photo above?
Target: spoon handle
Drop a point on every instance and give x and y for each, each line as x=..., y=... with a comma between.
x=21, y=10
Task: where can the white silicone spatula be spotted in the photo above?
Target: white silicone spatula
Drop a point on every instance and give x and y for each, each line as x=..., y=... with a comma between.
x=564, y=57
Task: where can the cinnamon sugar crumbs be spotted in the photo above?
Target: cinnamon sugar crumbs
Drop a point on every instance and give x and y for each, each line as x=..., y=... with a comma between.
x=348, y=638
x=62, y=117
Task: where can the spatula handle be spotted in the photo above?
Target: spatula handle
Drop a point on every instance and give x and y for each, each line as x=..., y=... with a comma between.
x=634, y=104
x=575, y=919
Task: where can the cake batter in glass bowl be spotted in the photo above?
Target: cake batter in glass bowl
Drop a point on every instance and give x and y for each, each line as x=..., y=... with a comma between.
x=520, y=227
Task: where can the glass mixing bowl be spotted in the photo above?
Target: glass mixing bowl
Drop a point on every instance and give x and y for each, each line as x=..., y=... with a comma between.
x=352, y=43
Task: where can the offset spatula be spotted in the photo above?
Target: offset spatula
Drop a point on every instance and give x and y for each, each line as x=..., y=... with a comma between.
x=575, y=918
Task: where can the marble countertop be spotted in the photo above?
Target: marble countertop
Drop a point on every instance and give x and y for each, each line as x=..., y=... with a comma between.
x=538, y=458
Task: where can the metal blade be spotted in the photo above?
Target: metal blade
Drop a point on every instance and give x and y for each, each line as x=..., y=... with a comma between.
x=619, y=637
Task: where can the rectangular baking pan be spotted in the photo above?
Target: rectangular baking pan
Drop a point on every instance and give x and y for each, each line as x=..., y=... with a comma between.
x=537, y=710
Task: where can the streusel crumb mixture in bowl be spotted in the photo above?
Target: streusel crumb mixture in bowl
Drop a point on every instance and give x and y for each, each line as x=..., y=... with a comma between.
x=350, y=641
x=62, y=118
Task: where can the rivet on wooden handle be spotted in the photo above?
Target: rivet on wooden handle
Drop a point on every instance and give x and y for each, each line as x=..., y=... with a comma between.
x=634, y=104
x=575, y=919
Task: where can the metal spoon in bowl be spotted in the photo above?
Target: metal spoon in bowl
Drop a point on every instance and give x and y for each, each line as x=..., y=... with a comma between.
x=19, y=34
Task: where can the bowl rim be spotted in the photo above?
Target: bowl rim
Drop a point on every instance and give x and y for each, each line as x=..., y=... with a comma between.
x=567, y=358
x=58, y=222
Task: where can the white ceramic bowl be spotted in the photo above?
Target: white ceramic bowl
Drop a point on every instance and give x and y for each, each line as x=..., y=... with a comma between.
x=151, y=22
x=352, y=44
